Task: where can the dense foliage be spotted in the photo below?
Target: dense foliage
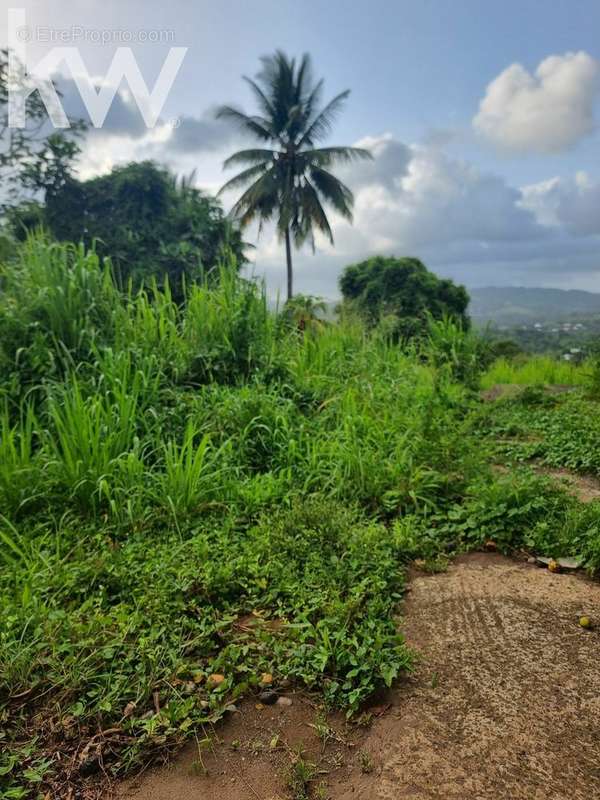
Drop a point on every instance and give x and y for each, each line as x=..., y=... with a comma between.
x=150, y=224
x=404, y=291
x=211, y=489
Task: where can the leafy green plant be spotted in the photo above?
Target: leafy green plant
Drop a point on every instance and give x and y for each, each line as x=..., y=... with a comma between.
x=192, y=475
x=169, y=472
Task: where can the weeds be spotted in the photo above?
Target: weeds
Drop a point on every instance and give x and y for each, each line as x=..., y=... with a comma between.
x=535, y=371
x=300, y=775
x=366, y=762
x=165, y=471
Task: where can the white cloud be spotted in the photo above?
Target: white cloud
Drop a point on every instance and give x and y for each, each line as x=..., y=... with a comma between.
x=463, y=223
x=416, y=200
x=569, y=203
x=425, y=198
x=546, y=112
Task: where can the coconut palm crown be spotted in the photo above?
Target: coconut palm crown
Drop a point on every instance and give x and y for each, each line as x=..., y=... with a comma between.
x=289, y=180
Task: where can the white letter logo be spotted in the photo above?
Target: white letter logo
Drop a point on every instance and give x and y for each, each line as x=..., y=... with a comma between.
x=23, y=79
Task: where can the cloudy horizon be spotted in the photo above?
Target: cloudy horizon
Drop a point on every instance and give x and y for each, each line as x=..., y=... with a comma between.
x=483, y=127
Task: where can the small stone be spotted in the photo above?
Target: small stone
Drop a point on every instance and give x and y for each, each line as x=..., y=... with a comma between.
x=284, y=701
x=269, y=697
x=532, y=560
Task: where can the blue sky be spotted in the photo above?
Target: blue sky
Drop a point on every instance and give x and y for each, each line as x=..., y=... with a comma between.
x=487, y=170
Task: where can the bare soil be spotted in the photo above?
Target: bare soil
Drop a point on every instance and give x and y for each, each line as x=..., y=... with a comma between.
x=504, y=705
x=584, y=487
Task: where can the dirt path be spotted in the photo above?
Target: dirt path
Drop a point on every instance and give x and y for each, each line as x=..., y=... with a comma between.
x=504, y=705
x=585, y=488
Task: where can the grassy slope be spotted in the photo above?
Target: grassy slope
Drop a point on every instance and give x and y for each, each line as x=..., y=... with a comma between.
x=163, y=474
x=537, y=370
x=167, y=475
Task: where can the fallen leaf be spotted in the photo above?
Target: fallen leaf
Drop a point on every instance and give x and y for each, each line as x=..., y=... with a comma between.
x=129, y=709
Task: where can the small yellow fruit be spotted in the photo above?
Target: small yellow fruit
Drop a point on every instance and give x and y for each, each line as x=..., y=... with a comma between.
x=266, y=679
x=585, y=622
x=554, y=566
x=215, y=679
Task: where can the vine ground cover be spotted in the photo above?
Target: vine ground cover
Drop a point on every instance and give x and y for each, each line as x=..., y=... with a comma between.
x=167, y=472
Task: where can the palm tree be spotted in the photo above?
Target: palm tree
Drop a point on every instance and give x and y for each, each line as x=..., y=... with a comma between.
x=306, y=311
x=290, y=181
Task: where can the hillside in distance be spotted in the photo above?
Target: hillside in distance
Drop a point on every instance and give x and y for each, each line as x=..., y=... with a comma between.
x=518, y=305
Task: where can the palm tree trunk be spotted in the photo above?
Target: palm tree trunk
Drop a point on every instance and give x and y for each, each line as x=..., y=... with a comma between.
x=288, y=256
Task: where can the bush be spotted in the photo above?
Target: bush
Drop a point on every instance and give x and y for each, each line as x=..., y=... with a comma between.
x=404, y=289
x=149, y=224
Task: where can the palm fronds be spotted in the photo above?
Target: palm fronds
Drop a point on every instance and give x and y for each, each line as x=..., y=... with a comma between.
x=291, y=181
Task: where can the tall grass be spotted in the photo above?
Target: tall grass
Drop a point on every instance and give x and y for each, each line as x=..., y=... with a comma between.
x=87, y=437
x=229, y=330
x=19, y=467
x=64, y=289
x=192, y=474
x=191, y=465
x=535, y=371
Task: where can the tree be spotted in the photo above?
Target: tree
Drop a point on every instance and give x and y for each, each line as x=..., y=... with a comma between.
x=36, y=158
x=404, y=289
x=291, y=180
x=149, y=223
x=305, y=311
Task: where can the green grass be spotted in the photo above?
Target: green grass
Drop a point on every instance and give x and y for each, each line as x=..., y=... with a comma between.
x=559, y=431
x=535, y=371
x=168, y=472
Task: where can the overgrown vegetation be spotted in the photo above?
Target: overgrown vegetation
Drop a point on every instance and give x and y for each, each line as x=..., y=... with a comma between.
x=193, y=495
x=403, y=294
x=150, y=223
x=535, y=371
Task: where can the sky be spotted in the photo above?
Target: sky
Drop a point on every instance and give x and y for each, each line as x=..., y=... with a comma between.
x=482, y=118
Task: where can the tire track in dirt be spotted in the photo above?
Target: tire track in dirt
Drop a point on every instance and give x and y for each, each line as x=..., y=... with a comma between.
x=513, y=711
x=504, y=703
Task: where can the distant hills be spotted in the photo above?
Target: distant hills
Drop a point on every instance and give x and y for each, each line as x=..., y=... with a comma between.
x=517, y=305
